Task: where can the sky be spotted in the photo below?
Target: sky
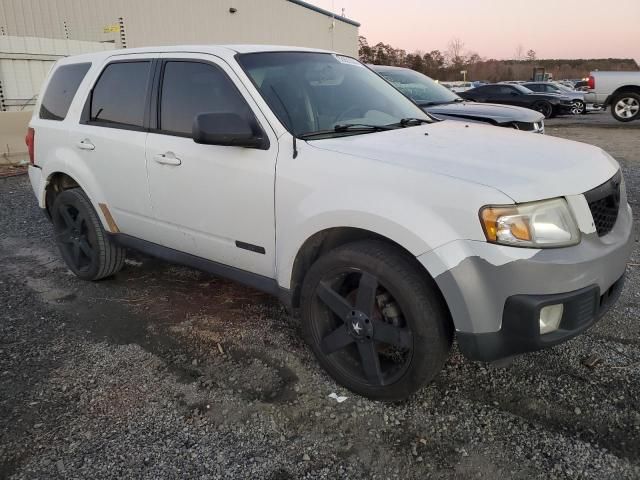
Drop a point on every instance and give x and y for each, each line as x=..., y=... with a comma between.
x=495, y=28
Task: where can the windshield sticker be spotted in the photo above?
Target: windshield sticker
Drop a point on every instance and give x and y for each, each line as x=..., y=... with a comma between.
x=348, y=60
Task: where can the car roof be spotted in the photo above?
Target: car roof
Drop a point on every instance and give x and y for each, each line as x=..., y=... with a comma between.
x=224, y=51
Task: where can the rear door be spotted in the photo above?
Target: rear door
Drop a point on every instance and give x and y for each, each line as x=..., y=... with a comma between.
x=215, y=202
x=111, y=139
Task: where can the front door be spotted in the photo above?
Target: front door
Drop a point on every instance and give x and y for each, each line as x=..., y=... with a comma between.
x=215, y=202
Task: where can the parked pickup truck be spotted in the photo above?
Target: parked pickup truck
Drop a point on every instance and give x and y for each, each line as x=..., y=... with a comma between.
x=620, y=90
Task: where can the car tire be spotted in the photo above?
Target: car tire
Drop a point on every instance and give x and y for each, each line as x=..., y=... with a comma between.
x=578, y=107
x=545, y=108
x=375, y=321
x=85, y=246
x=625, y=106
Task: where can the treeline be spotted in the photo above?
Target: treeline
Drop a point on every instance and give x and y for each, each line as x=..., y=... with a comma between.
x=447, y=65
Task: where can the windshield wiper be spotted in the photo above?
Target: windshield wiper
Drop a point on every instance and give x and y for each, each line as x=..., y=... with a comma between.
x=348, y=127
x=360, y=126
x=410, y=122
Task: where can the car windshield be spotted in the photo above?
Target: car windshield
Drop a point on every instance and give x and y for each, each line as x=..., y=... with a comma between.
x=562, y=88
x=317, y=92
x=418, y=87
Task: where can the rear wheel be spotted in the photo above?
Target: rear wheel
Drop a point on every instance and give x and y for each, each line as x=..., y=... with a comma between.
x=625, y=107
x=545, y=108
x=85, y=246
x=375, y=321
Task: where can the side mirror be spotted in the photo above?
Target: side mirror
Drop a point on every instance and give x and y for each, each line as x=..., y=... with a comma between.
x=228, y=129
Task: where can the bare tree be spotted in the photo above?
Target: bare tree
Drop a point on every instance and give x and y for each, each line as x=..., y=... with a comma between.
x=519, y=54
x=531, y=55
x=455, y=52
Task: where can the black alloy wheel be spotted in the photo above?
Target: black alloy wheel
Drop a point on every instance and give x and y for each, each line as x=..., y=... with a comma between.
x=74, y=239
x=374, y=320
x=85, y=246
x=545, y=108
x=381, y=347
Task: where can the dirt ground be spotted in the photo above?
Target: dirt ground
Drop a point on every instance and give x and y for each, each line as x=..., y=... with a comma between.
x=167, y=372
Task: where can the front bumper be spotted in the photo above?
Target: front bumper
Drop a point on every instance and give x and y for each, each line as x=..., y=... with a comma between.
x=520, y=331
x=493, y=291
x=564, y=107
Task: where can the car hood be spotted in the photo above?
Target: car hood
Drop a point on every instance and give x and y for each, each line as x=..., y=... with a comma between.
x=497, y=113
x=523, y=166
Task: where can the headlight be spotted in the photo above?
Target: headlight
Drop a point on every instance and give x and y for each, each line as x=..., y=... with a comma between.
x=537, y=225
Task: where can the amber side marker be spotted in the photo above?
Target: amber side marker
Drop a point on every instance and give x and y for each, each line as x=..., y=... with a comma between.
x=113, y=228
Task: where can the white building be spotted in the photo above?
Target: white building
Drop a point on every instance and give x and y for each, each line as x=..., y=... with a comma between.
x=35, y=33
x=25, y=62
x=137, y=23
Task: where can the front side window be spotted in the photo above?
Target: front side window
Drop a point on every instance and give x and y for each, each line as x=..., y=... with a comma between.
x=61, y=89
x=419, y=88
x=190, y=88
x=316, y=92
x=120, y=96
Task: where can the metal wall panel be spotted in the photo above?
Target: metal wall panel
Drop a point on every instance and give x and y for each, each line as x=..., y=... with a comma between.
x=25, y=62
x=165, y=22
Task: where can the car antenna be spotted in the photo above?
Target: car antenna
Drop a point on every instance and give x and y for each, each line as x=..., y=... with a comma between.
x=284, y=107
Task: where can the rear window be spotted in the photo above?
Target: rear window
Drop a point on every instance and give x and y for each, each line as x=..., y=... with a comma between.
x=120, y=95
x=61, y=89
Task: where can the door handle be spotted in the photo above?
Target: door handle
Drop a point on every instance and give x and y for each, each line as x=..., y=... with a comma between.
x=168, y=158
x=85, y=145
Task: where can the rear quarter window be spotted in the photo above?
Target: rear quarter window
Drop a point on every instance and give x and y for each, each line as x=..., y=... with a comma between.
x=61, y=89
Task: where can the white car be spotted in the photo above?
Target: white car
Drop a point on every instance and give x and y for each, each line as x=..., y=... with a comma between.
x=304, y=174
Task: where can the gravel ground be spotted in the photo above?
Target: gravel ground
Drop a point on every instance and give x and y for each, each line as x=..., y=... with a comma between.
x=166, y=372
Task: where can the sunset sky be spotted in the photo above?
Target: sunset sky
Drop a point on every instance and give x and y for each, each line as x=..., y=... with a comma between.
x=495, y=28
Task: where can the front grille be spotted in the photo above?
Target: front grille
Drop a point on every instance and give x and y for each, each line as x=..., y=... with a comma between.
x=604, y=202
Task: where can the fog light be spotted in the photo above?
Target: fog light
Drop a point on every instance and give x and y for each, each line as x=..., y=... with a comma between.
x=550, y=317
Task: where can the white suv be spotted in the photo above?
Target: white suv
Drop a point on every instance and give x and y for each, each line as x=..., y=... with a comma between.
x=304, y=174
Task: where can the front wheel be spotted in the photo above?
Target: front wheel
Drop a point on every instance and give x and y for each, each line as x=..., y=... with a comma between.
x=545, y=108
x=374, y=320
x=578, y=107
x=625, y=107
x=83, y=243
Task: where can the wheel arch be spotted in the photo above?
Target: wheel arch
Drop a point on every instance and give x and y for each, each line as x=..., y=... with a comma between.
x=58, y=181
x=330, y=238
x=621, y=90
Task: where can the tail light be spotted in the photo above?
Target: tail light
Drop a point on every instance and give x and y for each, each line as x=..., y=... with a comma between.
x=591, y=83
x=30, y=140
